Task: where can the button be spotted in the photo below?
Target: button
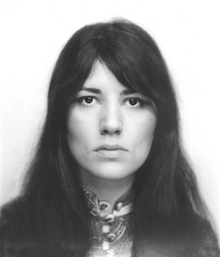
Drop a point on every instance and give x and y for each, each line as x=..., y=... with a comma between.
x=111, y=237
x=104, y=206
x=109, y=218
x=106, y=229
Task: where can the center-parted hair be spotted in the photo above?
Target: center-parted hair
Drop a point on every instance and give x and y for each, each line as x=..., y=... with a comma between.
x=163, y=187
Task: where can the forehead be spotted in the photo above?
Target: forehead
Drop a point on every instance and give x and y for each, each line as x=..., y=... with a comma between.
x=102, y=78
x=100, y=72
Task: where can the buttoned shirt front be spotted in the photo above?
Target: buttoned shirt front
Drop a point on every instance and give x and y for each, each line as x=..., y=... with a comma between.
x=112, y=233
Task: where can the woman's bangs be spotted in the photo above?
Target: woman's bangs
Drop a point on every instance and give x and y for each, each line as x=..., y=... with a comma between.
x=79, y=75
x=129, y=74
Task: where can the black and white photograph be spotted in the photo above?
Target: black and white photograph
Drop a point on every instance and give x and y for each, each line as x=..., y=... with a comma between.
x=109, y=130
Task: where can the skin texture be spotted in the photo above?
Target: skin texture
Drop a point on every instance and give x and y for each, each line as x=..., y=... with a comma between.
x=112, y=116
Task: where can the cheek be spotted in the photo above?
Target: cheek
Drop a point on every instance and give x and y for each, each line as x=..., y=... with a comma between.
x=144, y=127
x=76, y=132
x=76, y=125
x=80, y=133
x=144, y=137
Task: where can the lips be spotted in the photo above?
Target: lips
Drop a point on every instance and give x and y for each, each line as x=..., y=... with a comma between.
x=110, y=148
x=111, y=151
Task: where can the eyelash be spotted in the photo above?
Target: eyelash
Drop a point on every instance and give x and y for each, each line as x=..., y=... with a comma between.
x=140, y=101
x=80, y=100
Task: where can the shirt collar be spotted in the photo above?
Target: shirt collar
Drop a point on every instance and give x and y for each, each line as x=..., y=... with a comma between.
x=122, y=206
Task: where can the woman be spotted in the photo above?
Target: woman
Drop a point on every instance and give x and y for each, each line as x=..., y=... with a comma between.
x=109, y=177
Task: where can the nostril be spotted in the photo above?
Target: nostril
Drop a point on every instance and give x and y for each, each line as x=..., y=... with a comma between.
x=110, y=131
x=118, y=132
x=106, y=131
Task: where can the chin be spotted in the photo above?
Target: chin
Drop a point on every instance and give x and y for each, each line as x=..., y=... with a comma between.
x=110, y=173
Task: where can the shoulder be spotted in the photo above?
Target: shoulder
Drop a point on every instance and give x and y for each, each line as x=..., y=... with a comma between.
x=19, y=236
x=197, y=237
x=206, y=240
x=24, y=232
x=188, y=236
x=10, y=218
x=14, y=232
x=15, y=220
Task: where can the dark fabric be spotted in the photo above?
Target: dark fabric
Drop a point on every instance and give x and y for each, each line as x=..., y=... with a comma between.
x=185, y=237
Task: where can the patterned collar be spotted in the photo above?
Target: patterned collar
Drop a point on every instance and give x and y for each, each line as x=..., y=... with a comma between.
x=112, y=234
x=121, y=207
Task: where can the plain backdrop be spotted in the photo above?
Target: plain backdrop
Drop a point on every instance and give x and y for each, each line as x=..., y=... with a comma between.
x=34, y=32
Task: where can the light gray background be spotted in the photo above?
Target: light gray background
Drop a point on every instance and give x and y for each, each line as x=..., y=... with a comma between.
x=34, y=32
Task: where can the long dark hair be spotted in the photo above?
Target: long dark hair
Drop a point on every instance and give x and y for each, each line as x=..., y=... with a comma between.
x=164, y=186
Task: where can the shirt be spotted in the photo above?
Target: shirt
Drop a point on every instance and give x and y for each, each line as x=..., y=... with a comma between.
x=112, y=234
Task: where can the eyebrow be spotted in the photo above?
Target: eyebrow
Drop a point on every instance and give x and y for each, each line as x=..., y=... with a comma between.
x=98, y=91
x=92, y=90
x=128, y=92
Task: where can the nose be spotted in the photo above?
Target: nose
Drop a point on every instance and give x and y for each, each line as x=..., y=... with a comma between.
x=110, y=121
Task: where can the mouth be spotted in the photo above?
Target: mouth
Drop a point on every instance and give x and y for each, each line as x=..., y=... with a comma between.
x=111, y=151
x=107, y=147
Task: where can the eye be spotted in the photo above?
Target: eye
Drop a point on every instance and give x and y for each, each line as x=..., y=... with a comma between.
x=87, y=100
x=134, y=102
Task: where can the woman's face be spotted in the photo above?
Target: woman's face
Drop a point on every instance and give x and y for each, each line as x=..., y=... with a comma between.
x=110, y=128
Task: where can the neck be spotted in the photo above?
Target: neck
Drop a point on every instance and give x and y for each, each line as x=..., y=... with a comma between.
x=105, y=189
